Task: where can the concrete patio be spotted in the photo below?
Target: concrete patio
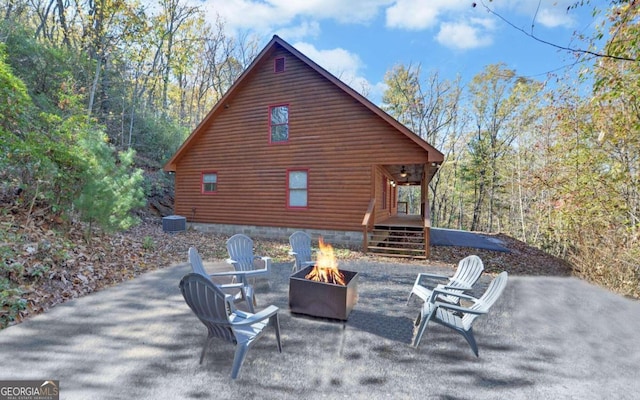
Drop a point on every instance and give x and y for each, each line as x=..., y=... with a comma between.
x=546, y=338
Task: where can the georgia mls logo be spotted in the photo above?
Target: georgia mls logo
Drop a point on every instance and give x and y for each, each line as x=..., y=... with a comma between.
x=29, y=390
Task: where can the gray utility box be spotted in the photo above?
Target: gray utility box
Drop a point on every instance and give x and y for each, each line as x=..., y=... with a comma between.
x=174, y=223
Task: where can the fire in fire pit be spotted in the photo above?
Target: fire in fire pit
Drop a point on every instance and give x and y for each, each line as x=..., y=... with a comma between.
x=326, y=268
x=323, y=290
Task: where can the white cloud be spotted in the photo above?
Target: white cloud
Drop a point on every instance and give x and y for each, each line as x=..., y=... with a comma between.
x=353, y=11
x=342, y=64
x=242, y=14
x=265, y=16
x=548, y=13
x=338, y=61
x=420, y=14
x=376, y=92
x=463, y=35
x=301, y=31
x=551, y=18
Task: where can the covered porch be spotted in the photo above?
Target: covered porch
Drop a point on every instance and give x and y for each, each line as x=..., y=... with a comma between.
x=396, y=228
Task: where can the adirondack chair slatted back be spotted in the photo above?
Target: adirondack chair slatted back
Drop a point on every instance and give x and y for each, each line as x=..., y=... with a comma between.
x=196, y=262
x=217, y=312
x=300, y=247
x=490, y=296
x=208, y=303
x=240, y=249
x=459, y=318
x=468, y=272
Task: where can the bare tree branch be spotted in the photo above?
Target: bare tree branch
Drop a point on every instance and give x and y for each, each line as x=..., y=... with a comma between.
x=557, y=46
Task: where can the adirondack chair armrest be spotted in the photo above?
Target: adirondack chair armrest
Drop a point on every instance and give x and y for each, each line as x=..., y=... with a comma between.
x=249, y=319
x=461, y=309
x=429, y=276
x=238, y=274
x=267, y=262
x=437, y=291
x=231, y=286
x=292, y=253
x=459, y=286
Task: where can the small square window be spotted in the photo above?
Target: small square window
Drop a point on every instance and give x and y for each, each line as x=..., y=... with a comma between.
x=209, y=182
x=279, y=65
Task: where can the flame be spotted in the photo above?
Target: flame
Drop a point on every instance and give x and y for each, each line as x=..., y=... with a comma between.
x=326, y=268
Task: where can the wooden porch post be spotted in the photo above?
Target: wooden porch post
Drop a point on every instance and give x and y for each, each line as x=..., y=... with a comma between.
x=426, y=214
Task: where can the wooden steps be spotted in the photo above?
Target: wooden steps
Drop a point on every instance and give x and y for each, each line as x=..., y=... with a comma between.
x=397, y=241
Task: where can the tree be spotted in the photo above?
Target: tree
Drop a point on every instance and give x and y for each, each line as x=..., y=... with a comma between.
x=429, y=107
x=502, y=105
x=111, y=189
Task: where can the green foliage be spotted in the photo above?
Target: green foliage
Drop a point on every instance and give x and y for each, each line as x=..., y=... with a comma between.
x=157, y=137
x=10, y=302
x=14, y=100
x=39, y=270
x=63, y=161
x=148, y=243
x=111, y=189
x=402, y=98
x=44, y=68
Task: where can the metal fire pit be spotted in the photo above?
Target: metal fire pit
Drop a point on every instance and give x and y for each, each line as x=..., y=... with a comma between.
x=320, y=299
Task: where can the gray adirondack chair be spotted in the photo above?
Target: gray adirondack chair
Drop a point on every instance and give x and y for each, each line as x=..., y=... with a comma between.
x=456, y=317
x=240, y=249
x=217, y=312
x=243, y=290
x=467, y=274
x=300, y=243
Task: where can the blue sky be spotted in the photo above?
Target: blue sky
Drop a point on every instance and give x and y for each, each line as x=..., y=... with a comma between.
x=359, y=40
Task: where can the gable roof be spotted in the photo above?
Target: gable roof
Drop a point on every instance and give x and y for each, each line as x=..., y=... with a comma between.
x=434, y=154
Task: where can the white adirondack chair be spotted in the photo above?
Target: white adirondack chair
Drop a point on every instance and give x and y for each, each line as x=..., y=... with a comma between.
x=300, y=243
x=456, y=317
x=240, y=249
x=467, y=274
x=244, y=291
x=218, y=313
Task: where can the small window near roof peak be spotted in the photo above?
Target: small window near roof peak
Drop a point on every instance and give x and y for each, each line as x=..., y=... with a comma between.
x=279, y=64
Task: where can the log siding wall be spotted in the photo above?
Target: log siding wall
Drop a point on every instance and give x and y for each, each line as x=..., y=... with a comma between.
x=331, y=135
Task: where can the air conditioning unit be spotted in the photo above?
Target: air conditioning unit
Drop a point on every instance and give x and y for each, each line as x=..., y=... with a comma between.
x=174, y=223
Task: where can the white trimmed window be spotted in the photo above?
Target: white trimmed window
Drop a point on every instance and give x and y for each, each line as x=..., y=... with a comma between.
x=297, y=188
x=209, y=182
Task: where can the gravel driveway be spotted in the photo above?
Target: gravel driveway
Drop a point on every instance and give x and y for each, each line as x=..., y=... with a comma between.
x=546, y=338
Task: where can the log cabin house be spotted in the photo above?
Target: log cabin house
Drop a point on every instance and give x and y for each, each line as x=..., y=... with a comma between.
x=291, y=147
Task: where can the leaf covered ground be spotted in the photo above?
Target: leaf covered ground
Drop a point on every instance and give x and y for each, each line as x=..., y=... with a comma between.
x=43, y=265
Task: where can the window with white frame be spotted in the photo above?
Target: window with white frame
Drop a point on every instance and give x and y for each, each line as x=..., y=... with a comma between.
x=297, y=188
x=209, y=182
